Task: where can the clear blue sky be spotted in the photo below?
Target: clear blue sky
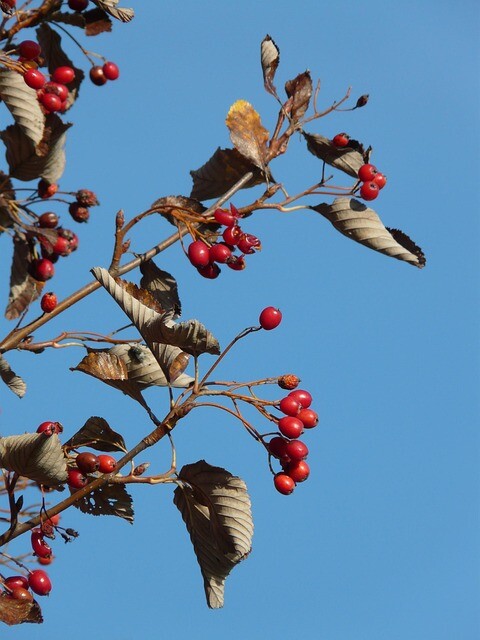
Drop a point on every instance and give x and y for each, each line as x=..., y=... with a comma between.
x=383, y=539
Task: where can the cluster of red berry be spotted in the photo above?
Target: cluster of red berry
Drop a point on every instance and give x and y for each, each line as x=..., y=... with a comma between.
x=206, y=258
x=17, y=587
x=86, y=463
x=287, y=448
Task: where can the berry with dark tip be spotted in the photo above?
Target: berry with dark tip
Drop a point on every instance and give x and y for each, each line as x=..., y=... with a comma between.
x=48, y=220
x=290, y=427
x=341, y=140
x=97, y=76
x=369, y=190
x=48, y=302
x=34, y=79
x=42, y=269
x=76, y=479
x=298, y=471
x=296, y=450
x=308, y=417
x=49, y=428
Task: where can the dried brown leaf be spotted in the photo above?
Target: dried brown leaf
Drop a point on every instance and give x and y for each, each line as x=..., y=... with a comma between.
x=270, y=58
x=24, y=289
x=360, y=223
x=247, y=133
x=35, y=456
x=75, y=19
x=172, y=207
x=22, y=102
x=7, y=194
x=110, y=6
x=215, y=507
x=14, y=382
x=221, y=172
x=300, y=91
x=140, y=294
x=162, y=286
x=108, y=500
x=346, y=159
x=14, y=611
x=97, y=434
x=97, y=22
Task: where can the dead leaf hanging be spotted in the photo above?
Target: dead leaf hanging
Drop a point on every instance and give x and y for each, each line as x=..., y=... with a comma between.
x=13, y=611
x=22, y=102
x=247, y=133
x=360, y=223
x=215, y=507
x=24, y=289
x=35, y=456
x=14, y=382
x=108, y=500
x=110, y=6
x=300, y=91
x=97, y=434
x=270, y=59
x=162, y=286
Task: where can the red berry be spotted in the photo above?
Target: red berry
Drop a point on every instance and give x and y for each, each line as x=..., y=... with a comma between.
x=73, y=242
x=288, y=381
x=270, y=318
x=48, y=302
x=298, y=471
x=56, y=88
x=283, y=483
x=290, y=427
x=276, y=447
x=63, y=75
x=308, y=417
x=53, y=520
x=78, y=212
x=78, y=5
x=87, y=462
x=45, y=561
x=232, y=235
x=42, y=269
x=369, y=190
x=367, y=172
x=341, y=140
x=219, y=253
x=39, y=546
x=110, y=71
x=49, y=428
x=237, y=263
x=46, y=189
x=51, y=102
x=19, y=593
x=106, y=464
x=296, y=450
x=380, y=180
x=97, y=76
x=34, y=78
x=48, y=220
x=302, y=396
x=14, y=582
x=224, y=217
x=29, y=49
x=76, y=479
x=61, y=246
x=289, y=406
x=210, y=271
x=39, y=582
x=248, y=243
x=199, y=253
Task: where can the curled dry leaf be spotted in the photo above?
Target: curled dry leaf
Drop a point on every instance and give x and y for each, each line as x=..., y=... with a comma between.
x=247, y=133
x=110, y=6
x=300, y=91
x=13, y=382
x=221, y=172
x=14, y=611
x=140, y=294
x=34, y=456
x=7, y=195
x=97, y=434
x=22, y=102
x=162, y=286
x=346, y=159
x=96, y=22
x=172, y=208
x=360, y=223
x=270, y=59
x=24, y=289
x=215, y=507
x=108, y=500
x=73, y=19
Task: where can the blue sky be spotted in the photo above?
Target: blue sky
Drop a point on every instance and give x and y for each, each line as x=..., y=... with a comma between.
x=383, y=540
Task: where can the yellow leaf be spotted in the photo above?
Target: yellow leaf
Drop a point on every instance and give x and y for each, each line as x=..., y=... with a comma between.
x=247, y=133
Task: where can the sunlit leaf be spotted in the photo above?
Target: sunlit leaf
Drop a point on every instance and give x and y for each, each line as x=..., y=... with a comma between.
x=300, y=91
x=247, y=133
x=35, y=456
x=346, y=159
x=22, y=102
x=97, y=434
x=110, y=6
x=216, y=509
x=14, y=382
x=360, y=223
x=108, y=500
x=270, y=58
x=162, y=286
x=13, y=611
x=173, y=207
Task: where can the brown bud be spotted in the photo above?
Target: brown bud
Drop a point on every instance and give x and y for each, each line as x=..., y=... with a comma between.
x=362, y=101
x=78, y=213
x=289, y=381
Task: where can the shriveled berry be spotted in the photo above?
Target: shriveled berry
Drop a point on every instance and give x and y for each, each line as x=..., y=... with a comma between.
x=288, y=381
x=46, y=189
x=237, y=263
x=210, y=271
x=78, y=212
x=362, y=101
x=34, y=79
x=308, y=417
x=283, y=483
x=106, y=463
x=290, y=427
x=296, y=450
x=367, y=172
x=42, y=269
x=86, y=198
x=19, y=593
x=270, y=318
x=48, y=220
x=232, y=235
x=97, y=76
x=29, y=49
x=248, y=243
x=76, y=479
x=39, y=582
x=302, y=396
x=87, y=462
x=39, y=546
x=14, y=582
x=222, y=216
x=369, y=190
x=298, y=471
x=219, y=253
x=341, y=140
x=49, y=428
x=63, y=75
x=111, y=71
x=48, y=302
x=199, y=253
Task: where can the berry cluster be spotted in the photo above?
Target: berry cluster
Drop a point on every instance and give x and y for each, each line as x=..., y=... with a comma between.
x=286, y=447
x=87, y=463
x=17, y=587
x=206, y=257
x=372, y=181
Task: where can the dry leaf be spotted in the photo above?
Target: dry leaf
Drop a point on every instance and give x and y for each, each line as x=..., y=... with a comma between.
x=247, y=133
x=22, y=102
x=35, y=456
x=110, y=6
x=216, y=509
x=221, y=172
x=108, y=500
x=163, y=287
x=14, y=382
x=142, y=295
x=97, y=434
x=300, y=91
x=172, y=207
x=360, y=223
x=270, y=58
x=346, y=159
x=14, y=611
x=73, y=19
x=24, y=289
